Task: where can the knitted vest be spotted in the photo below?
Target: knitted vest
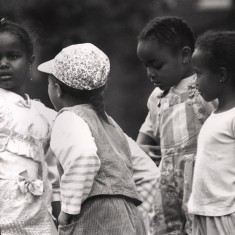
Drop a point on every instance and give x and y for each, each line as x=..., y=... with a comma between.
x=115, y=176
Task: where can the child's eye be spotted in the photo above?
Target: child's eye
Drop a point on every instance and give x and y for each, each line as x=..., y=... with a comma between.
x=145, y=66
x=13, y=56
x=157, y=66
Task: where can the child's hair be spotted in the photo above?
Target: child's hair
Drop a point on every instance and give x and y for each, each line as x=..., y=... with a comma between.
x=170, y=31
x=94, y=97
x=218, y=48
x=20, y=32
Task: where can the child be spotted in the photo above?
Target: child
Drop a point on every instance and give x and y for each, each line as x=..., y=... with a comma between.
x=25, y=193
x=213, y=200
x=98, y=192
x=176, y=114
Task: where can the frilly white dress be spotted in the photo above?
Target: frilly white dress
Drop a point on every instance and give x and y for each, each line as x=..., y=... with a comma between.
x=25, y=191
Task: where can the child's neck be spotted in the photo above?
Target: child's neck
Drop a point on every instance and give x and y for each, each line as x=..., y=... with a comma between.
x=188, y=73
x=70, y=101
x=226, y=102
x=21, y=93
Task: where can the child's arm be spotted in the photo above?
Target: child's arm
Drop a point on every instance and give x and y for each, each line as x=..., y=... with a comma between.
x=56, y=208
x=76, y=152
x=64, y=218
x=53, y=177
x=148, y=138
x=146, y=175
x=149, y=146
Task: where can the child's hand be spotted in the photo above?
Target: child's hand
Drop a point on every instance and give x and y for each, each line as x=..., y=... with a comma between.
x=56, y=208
x=64, y=218
x=153, y=151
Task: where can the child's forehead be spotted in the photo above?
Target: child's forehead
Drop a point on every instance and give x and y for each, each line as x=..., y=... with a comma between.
x=152, y=48
x=10, y=39
x=200, y=58
x=9, y=34
x=200, y=54
x=151, y=42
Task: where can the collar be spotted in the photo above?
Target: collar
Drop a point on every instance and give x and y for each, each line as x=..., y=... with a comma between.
x=183, y=85
x=15, y=98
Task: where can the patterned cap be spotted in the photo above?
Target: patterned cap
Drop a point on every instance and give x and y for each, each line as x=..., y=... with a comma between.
x=81, y=66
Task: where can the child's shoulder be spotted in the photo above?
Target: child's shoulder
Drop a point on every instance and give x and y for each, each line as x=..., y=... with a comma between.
x=68, y=121
x=48, y=113
x=156, y=94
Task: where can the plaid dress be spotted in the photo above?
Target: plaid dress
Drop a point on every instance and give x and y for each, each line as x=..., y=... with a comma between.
x=176, y=120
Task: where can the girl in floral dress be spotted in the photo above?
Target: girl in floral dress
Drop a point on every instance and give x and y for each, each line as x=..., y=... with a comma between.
x=25, y=192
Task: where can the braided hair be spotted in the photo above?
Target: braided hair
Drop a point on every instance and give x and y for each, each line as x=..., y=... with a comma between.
x=20, y=32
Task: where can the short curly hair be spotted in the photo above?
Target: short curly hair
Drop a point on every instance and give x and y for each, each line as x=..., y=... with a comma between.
x=218, y=48
x=170, y=31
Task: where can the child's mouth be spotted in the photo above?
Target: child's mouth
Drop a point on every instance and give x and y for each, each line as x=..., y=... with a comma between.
x=5, y=77
x=156, y=84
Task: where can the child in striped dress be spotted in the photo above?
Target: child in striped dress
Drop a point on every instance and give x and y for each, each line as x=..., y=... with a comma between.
x=98, y=191
x=176, y=114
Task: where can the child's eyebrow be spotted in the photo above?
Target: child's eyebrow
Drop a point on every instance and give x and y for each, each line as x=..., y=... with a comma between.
x=154, y=61
x=151, y=61
x=13, y=49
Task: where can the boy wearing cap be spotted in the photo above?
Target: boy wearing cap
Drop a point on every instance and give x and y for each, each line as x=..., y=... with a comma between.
x=98, y=192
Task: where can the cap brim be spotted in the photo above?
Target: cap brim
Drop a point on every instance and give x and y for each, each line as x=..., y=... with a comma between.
x=46, y=67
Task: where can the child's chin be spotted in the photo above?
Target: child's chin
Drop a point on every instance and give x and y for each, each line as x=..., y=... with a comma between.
x=163, y=88
x=206, y=98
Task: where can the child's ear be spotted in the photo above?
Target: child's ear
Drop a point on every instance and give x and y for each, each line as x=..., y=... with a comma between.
x=31, y=59
x=223, y=75
x=59, y=92
x=186, y=55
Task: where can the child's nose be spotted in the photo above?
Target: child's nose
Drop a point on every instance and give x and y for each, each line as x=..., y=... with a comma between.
x=3, y=62
x=150, y=73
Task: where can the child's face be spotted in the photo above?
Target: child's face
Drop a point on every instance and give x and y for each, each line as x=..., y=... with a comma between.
x=14, y=64
x=163, y=67
x=207, y=81
x=52, y=92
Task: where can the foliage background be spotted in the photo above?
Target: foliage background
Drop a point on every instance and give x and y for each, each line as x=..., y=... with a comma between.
x=113, y=26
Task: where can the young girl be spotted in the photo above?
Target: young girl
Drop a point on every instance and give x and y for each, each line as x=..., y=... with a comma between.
x=25, y=193
x=98, y=192
x=213, y=200
x=176, y=114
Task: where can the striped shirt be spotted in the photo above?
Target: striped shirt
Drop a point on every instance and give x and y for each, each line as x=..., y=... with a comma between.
x=76, y=151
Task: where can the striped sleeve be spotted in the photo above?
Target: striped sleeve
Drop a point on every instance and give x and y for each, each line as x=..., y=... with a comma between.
x=76, y=151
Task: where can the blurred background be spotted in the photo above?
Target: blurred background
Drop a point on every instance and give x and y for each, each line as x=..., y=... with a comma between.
x=113, y=26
